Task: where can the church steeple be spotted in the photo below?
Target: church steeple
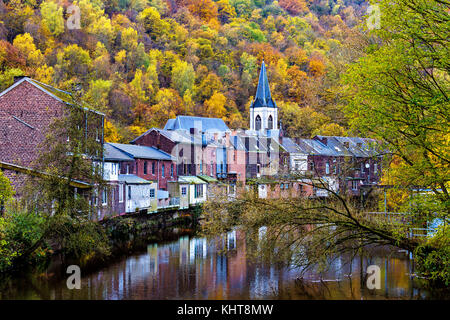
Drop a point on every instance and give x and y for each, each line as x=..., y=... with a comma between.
x=263, y=110
x=263, y=98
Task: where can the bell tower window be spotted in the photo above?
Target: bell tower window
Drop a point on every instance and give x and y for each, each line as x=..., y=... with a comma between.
x=270, y=123
x=258, y=123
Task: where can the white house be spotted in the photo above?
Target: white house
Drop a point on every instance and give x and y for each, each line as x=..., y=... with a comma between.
x=196, y=188
x=140, y=194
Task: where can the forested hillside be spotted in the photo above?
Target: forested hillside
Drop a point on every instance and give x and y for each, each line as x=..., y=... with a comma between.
x=142, y=62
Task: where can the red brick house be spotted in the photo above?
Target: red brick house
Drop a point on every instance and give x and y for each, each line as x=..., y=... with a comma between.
x=27, y=109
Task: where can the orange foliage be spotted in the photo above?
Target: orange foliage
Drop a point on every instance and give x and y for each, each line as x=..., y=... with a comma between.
x=294, y=7
x=316, y=66
x=206, y=10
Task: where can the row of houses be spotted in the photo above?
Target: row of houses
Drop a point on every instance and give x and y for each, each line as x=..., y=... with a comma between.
x=192, y=158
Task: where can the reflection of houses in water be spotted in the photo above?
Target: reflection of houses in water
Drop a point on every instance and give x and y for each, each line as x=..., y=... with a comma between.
x=265, y=282
x=152, y=251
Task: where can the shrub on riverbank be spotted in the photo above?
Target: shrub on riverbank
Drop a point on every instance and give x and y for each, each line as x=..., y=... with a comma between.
x=433, y=258
x=19, y=230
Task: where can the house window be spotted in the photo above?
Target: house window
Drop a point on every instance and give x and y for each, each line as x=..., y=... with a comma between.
x=286, y=186
x=162, y=171
x=171, y=170
x=129, y=192
x=270, y=123
x=201, y=168
x=112, y=196
x=97, y=135
x=137, y=171
x=153, y=167
x=282, y=186
x=198, y=190
x=311, y=166
x=120, y=192
x=183, y=191
x=258, y=123
x=152, y=193
x=327, y=168
x=104, y=197
x=128, y=168
x=375, y=167
x=354, y=184
x=258, y=167
x=145, y=167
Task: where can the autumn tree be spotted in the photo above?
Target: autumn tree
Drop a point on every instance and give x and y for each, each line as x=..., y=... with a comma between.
x=294, y=7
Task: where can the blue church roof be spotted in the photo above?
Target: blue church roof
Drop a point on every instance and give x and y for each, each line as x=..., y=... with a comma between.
x=263, y=97
x=203, y=124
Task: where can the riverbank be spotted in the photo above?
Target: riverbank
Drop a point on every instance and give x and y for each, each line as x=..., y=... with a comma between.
x=108, y=240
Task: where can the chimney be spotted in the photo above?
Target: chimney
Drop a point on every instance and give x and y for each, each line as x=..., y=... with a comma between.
x=227, y=139
x=324, y=140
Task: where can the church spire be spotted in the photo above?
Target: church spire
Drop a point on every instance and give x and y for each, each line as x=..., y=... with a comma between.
x=263, y=98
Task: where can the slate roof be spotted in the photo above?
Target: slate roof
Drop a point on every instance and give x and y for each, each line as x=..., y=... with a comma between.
x=263, y=97
x=133, y=179
x=335, y=146
x=177, y=136
x=203, y=124
x=142, y=152
x=290, y=146
x=113, y=154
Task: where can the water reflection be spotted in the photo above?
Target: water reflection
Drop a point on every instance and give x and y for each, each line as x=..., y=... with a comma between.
x=194, y=268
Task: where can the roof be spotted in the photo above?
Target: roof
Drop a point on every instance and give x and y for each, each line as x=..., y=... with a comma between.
x=335, y=146
x=206, y=178
x=263, y=97
x=177, y=136
x=60, y=95
x=290, y=146
x=142, y=152
x=237, y=143
x=201, y=123
x=113, y=154
x=253, y=143
x=191, y=180
x=133, y=179
x=359, y=147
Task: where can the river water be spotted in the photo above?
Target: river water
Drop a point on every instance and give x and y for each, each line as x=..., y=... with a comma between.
x=191, y=267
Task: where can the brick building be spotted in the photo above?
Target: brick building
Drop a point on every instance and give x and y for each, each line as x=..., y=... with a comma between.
x=27, y=110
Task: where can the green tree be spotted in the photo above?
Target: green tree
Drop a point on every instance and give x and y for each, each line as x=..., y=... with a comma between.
x=6, y=191
x=52, y=17
x=183, y=76
x=398, y=92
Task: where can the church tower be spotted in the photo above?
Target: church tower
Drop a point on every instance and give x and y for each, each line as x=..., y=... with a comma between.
x=263, y=110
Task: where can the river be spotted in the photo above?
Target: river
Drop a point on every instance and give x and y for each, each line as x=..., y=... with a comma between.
x=191, y=267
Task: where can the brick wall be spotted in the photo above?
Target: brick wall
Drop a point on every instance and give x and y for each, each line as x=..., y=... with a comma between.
x=18, y=142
